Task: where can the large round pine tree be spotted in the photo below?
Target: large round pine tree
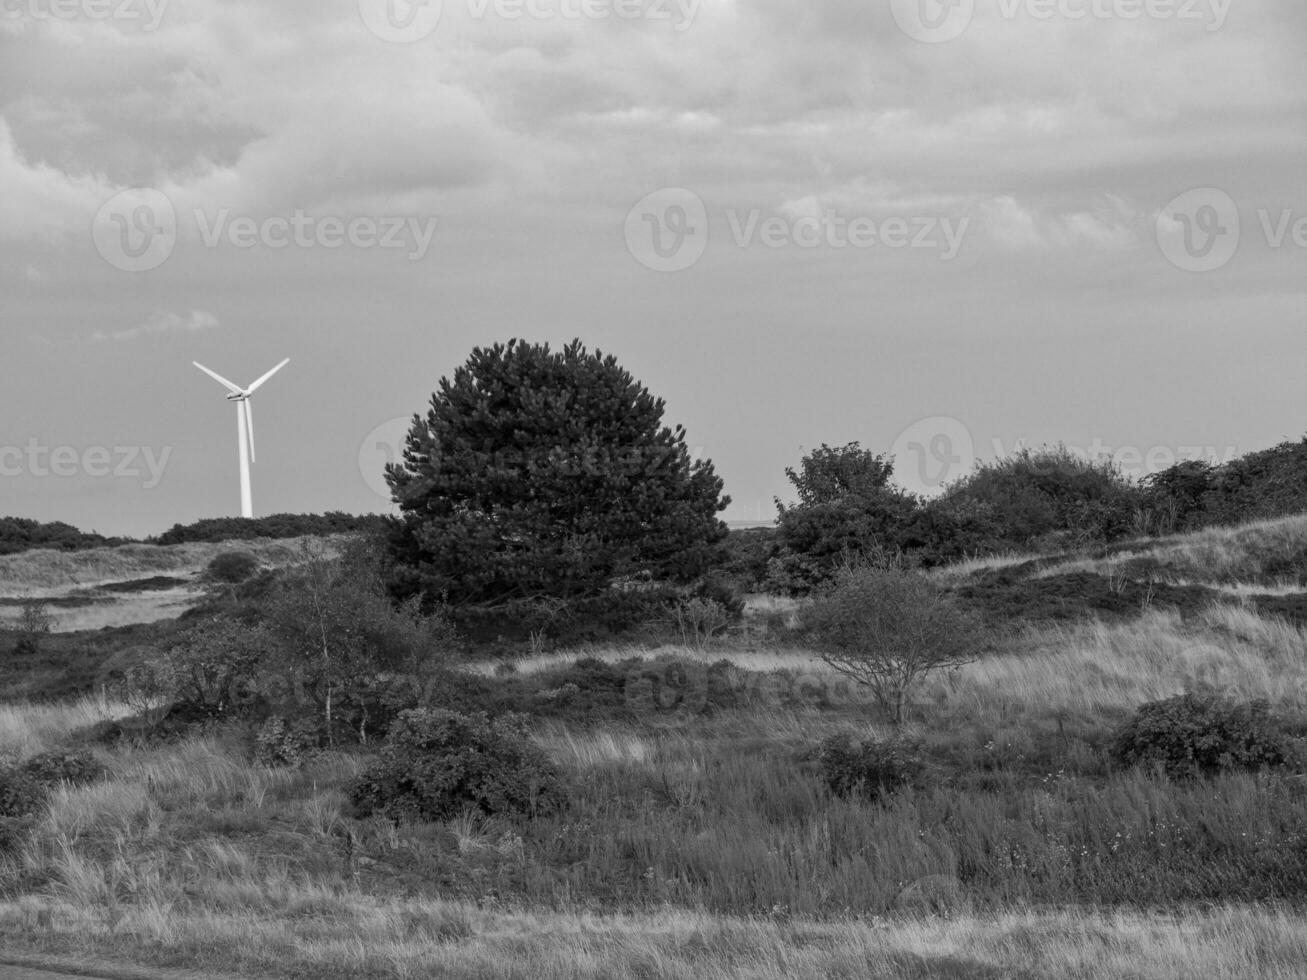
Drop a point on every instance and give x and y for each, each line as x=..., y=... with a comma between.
x=549, y=474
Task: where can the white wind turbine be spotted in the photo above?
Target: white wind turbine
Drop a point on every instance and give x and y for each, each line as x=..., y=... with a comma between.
x=244, y=426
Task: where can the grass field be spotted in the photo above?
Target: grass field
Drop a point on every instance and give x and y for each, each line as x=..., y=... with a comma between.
x=699, y=838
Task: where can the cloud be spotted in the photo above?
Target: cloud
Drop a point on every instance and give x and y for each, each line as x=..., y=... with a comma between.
x=1014, y=227
x=42, y=202
x=162, y=322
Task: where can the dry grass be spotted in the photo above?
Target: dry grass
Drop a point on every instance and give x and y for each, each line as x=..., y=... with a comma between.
x=760, y=660
x=1219, y=556
x=42, y=574
x=1223, y=556
x=26, y=729
x=344, y=934
x=124, y=610
x=1096, y=667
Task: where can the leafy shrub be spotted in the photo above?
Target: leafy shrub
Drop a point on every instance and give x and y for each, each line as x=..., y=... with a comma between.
x=820, y=538
x=52, y=768
x=20, y=793
x=337, y=640
x=1266, y=484
x=872, y=768
x=435, y=763
x=888, y=629
x=232, y=567
x=745, y=556
x=1200, y=733
x=212, y=668
x=1049, y=496
x=719, y=589
x=281, y=743
x=24, y=787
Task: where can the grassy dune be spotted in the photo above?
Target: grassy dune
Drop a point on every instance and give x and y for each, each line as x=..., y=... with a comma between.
x=44, y=573
x=706, y=844
x=1271, y=553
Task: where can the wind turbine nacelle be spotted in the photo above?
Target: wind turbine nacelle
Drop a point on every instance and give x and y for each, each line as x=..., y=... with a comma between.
x=237, y=398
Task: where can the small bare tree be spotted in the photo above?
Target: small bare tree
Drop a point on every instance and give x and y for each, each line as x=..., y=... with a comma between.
x=697, y=620
x=888, y=629
x=33, y=624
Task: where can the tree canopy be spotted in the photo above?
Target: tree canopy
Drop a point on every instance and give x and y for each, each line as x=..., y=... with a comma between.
x=549, y=473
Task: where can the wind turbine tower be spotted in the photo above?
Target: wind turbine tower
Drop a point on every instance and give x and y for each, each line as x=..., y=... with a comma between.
x=244, y=426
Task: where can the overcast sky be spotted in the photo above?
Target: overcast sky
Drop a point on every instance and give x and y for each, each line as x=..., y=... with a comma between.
x=933, y=229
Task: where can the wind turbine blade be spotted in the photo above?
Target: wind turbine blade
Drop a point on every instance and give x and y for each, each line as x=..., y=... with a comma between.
x=249, y=426
x=234, y=389
x=254, y=387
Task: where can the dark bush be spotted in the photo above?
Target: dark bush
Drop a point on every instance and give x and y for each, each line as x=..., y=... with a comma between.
x=1046, y=497
x=232, y=567
x=272, y=526
x=281, y=743
x=436, y=763
x=746, y=554
x=20, y=793
x=719, y=589
x=22, y=534
x=52, y=768
x=1200, y=733
x=505, y=628
x=872, y=769
x=24, y=786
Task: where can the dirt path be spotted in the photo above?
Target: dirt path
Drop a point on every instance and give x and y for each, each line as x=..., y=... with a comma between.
x=54, y=968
